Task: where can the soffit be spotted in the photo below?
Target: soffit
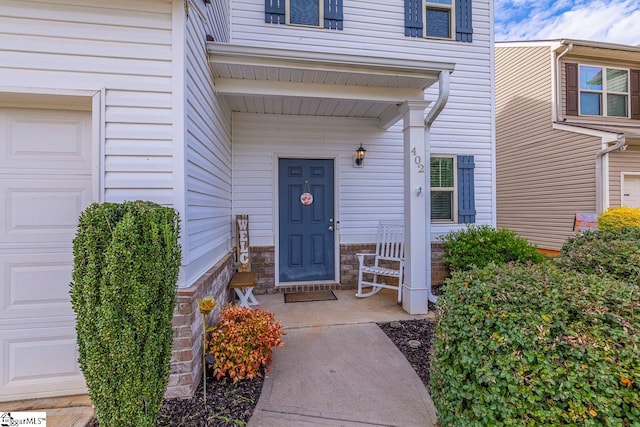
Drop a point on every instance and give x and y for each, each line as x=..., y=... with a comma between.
x=626, y=131
x=280, y=81
x=603, y=52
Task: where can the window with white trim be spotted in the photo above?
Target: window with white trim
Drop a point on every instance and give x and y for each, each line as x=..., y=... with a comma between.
x=604, y=91
x=438, y=18
x=443, y=189
x=309, y=13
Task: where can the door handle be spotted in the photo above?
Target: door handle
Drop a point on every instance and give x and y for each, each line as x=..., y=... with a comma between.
x=330, y=228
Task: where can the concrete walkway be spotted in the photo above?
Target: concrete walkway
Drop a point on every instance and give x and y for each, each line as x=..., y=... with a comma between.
x=339, y=369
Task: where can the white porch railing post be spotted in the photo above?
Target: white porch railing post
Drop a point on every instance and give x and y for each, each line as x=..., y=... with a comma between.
x=415, y=293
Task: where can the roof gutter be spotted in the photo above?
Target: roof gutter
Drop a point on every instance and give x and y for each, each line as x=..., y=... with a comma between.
x=443, y=97
x=601, y=178
x=559, y=117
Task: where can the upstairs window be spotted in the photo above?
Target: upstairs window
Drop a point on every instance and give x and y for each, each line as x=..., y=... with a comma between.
x=604, y=91
x=593, y=90
x=304, y=12
x=443, y=19
x=311, y=13
x=438, y=22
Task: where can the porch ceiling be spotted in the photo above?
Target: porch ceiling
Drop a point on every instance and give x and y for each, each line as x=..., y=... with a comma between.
x=281, y=81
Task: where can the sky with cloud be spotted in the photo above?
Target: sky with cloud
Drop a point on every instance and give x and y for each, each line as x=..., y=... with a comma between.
x=615, y=21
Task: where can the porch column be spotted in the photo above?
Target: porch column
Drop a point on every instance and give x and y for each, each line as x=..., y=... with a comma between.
x=415, y=293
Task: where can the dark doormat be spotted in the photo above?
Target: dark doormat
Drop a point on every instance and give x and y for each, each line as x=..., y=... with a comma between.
x=309, y=296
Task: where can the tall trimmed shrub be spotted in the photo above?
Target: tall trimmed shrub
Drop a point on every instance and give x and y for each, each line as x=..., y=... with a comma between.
x=479, y=246
x=523, y=345
x=123, y=290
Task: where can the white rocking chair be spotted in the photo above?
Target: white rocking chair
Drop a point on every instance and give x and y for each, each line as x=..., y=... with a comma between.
x=390, y=250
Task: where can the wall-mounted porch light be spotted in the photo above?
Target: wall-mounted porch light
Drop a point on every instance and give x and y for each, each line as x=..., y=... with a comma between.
x=358, y=157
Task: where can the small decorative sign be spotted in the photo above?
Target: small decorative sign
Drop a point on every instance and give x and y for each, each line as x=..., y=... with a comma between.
x=585, y=221
x=242, y=236
x=306, y=199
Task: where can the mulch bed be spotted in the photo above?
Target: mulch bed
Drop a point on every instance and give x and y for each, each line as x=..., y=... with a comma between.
x=228, y=404
x=231, y=404
x=421, y=330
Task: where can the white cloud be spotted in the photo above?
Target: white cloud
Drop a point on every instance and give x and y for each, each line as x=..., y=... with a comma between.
x=617, y=21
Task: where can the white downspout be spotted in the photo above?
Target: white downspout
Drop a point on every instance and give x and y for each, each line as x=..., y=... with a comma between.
x=443, y=96
x=621, y=145
x=559, y=117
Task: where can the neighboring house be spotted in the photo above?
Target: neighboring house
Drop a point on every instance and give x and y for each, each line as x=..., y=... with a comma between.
x=220, y=108
x=567, y=134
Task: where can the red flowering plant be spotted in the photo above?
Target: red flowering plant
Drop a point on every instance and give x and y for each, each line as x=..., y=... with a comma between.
x=242, y=342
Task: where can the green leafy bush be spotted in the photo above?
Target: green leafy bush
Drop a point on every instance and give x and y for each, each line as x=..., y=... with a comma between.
x=614, y=253
x=242, y=342
x=481, y=245
x=531, y=345
x=617, y=218
x=126, y=263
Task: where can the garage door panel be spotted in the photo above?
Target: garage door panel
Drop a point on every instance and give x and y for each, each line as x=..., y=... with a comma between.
x=39, y=211
x=46, y=180
x=40, y=362
x=37, y=283
x=44, y=139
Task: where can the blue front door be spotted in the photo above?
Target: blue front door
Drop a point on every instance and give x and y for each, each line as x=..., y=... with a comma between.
x=306, y=224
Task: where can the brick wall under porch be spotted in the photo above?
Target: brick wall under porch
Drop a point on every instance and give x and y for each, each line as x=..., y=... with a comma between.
x=263, y=262
x=186, y=352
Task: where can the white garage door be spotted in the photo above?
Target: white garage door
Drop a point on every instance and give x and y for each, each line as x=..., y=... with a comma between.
x=45, y=182
x=631, y=191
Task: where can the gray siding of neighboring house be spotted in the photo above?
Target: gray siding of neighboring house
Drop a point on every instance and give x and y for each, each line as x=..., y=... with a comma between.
x=544, y=176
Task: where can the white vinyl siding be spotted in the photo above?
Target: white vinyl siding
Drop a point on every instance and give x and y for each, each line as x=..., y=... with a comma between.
x=218, y=15
x=365, y=195
x=538, y=193
x=373, y=27
x=208, y=155
x=120, y=46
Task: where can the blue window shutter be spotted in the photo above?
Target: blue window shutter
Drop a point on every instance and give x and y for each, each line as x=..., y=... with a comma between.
x=466, y=190
x=413, y=18
x=464, y=21
x=333, y=14
x=274, y=12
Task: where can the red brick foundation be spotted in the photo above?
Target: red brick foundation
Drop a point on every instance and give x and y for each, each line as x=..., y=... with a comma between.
x=263, y=261
x=439, y=271
x=186, y=353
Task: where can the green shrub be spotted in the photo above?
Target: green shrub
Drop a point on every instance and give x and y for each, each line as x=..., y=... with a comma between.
x=242, y=342
x=617, y=218
x=481, y=245
x=530, y=345
x=614, y=253
x=126, y=262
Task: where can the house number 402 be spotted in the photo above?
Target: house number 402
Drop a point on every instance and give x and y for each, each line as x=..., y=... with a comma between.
x=417, y=160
